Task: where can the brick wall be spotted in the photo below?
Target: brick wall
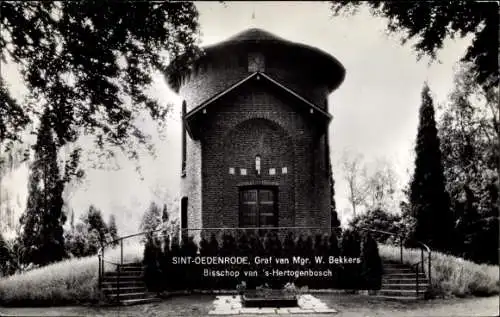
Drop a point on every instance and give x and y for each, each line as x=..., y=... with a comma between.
x=215, y=73
x=255, y=120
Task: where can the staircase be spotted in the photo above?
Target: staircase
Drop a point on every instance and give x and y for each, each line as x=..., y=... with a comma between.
x=128, y=288
x=399, y=282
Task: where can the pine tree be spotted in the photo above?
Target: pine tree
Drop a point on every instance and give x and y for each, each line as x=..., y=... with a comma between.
x=113, y=231
x=43, y=220
x=93, y=219
x=428, y=198
x=334, y=219
x=151, y=219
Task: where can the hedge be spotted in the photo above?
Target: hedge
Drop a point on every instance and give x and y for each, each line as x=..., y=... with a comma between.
x=366, y=273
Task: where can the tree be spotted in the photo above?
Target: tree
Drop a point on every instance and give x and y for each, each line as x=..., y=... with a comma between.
x=380, y=187
x=82, y=240
x=87, y=58
x=429, y=200
x=469, y=130
x=5, y=257
x=334, y=218
x=354, y=174
x=43, y=219
x=113, y=231
x=94, y=221
x=151, y=219
x=430, y=24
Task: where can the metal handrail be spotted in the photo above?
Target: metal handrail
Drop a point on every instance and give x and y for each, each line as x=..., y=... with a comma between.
x=120, y=241
x=416, y=275
x=422, y=247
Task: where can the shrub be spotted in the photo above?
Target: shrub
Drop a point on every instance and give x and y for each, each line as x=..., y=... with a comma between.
x=381, y=220
x=350, y=272
x=176, y=270
x=190, y=271
x=5, y=257
x=82, y=241
x=166, y=263
x=371, y=272
x=228, y=248
x=151, y=261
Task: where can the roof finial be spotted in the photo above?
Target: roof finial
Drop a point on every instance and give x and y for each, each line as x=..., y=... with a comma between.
x=253, y=16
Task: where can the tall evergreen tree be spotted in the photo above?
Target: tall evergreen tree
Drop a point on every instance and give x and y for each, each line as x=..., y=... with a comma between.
x=43, y=220
x=429, y=200
x=113, y=231
x=94, y=220
x=334, y=219
x=469, y=132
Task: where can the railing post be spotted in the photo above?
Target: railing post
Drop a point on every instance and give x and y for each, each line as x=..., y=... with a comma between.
x=429, y=267
x=118, y=284
x=100, y=272
x=121, y=252
x=422, y=259
x=416, y=272
x=401, y=249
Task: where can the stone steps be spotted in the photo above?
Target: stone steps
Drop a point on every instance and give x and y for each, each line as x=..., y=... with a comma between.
x=399, y=282
x=127, y=287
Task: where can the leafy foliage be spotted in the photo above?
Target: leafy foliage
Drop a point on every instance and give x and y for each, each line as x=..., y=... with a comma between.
x=94, y=221
x=112, y=229
x=378, y=219
x=350, y=246
x=372, y=269
x=334, y=219
x=429, y=200
x=43, y=220
x=85, y=60
x=151, y=219
x=354, y=174
x=152, y=265
x=5, y=257
x=430, y=24
x=470, y=132
x=82, y=240
x=160, y=267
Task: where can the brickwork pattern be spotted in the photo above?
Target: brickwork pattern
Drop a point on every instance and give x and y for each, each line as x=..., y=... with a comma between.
x=256, y=118
x=255, y=121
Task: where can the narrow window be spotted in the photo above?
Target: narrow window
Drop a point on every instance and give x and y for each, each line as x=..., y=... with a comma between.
x=184, y=216
x=257, y=164
x=183, y=172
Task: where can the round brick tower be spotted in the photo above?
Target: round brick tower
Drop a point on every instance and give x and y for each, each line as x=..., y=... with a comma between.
x=255, y=133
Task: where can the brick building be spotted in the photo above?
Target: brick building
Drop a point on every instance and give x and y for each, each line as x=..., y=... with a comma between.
x=255, y=133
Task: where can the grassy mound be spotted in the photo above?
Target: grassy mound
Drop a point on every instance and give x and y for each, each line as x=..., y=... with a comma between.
x=451, y=275
x=73, y=281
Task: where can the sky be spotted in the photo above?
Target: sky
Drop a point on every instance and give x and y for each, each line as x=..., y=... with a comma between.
x=375, y=110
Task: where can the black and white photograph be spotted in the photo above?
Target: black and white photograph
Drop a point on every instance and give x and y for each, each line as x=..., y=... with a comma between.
x=249, y=158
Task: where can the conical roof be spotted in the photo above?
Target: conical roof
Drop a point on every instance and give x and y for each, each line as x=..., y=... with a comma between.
x=259, y=37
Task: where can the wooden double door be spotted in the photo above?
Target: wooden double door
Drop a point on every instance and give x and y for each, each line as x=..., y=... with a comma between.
x=258, y=207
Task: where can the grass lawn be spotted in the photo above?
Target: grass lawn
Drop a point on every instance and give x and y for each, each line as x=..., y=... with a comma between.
x=346, y=305
x=451, y=275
